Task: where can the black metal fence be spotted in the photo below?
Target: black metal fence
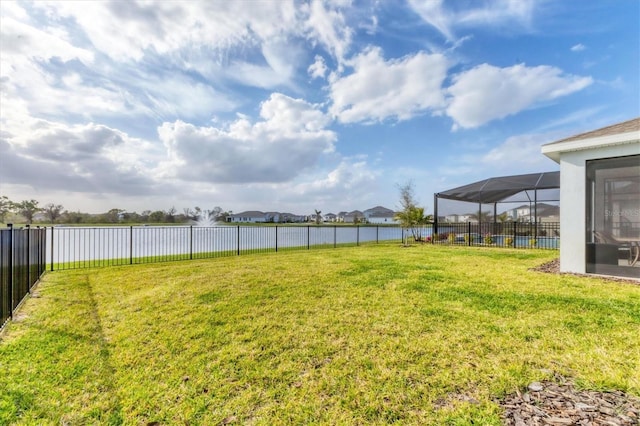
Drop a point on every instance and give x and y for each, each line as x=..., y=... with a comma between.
x=80, y=247
x=22, y=262
x=545, y=235
x=86, y=247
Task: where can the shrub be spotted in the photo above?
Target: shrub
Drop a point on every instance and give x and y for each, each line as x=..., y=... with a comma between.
x=452, y=238
x=488, y=239
x=533, y=242
x=508, y=241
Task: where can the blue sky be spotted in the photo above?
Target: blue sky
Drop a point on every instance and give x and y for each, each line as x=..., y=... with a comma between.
x=296, y=106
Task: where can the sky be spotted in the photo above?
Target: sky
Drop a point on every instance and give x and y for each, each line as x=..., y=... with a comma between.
x=295, y=106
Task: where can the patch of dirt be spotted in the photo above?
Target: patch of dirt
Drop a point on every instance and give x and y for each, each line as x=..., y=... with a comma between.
x=560, y=403
x=553, y=267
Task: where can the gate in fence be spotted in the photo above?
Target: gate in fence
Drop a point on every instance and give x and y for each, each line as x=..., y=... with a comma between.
x=22, y=262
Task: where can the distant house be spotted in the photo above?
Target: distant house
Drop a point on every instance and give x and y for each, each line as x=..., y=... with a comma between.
x=353, y=217
x=330, y=217
x=292, y=218
x=459, y=218
x=248, y=217
x=340, y=216
x=314, y=218
x=272, y=217
x=255, y=216
x=380, y=215
x=545, y=213
x=451, y=218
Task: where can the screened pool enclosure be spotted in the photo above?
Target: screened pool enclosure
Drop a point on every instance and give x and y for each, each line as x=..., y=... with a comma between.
x=491, y=205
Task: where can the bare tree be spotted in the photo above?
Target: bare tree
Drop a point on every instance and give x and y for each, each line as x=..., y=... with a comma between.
x=170, y=214
x=188, y=213
x=53, y=211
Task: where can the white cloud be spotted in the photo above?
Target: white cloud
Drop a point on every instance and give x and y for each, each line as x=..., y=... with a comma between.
x=318, y=69
x=327, y=26
x=352, y=183
x=290, y=139
x=446, y=17
x=47, y=75
x=578, y=47
x=433, y=13
x=125, y=30
x=82, y=158
x=379, y=89
x=516, y=155
x=20, y=41
x=486, y=93
x=185, y=32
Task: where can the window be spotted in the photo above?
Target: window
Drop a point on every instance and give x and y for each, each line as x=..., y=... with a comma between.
x=613, y=216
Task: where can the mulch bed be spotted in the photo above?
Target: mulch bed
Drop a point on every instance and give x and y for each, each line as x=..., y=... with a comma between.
x=553, y=267
x=560, y=403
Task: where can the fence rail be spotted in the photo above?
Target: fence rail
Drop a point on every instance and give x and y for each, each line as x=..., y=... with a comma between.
x=22, y=262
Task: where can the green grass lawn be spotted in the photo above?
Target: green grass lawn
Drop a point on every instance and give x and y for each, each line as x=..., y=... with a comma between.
x=364, y=335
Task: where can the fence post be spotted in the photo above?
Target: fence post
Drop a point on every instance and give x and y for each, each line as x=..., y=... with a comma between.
x=28, y=249
x=276, y=238
x=10, y=269
x=469, y=232
x=357, y=235
x=515, y=241
x=335, y=229
x=238, y=240
x=42, y=244
x=131, y=245
x=377, y=228
x=308, y=238
x=190, y=242
x=52, y=248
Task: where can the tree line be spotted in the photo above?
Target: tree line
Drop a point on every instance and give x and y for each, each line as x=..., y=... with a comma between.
x=31, y=212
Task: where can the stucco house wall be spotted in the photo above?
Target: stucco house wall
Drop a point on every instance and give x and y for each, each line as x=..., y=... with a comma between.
x=572, y=154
